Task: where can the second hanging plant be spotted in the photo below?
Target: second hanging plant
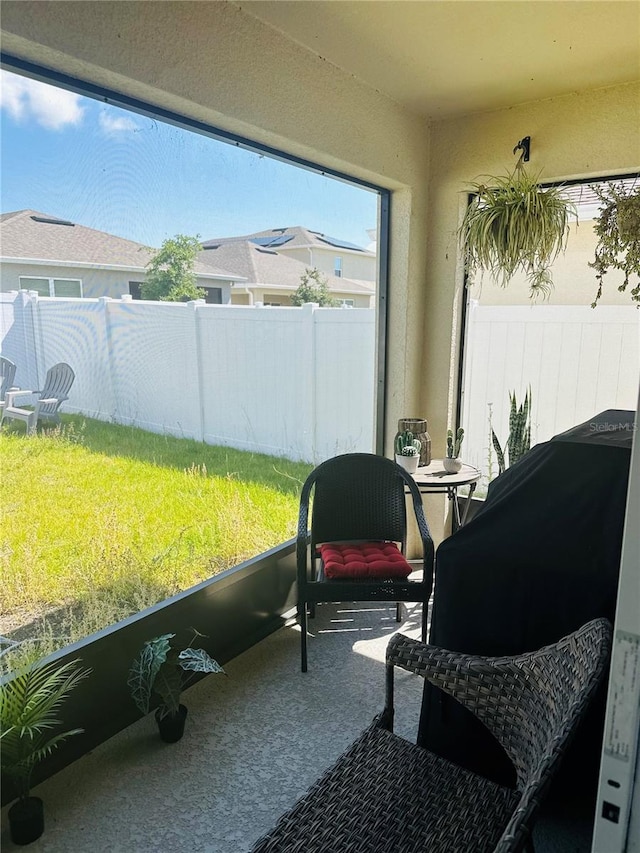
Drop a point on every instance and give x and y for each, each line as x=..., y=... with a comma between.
x=514, y=225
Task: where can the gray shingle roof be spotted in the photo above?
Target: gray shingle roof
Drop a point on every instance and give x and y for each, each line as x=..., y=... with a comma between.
x=292, y=237
x=29, y=234
x=263, y=266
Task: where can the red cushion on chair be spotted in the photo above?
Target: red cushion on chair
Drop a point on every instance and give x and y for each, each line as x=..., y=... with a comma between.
x=365, y=560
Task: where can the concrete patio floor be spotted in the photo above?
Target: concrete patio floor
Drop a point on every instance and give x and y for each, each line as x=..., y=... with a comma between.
x=254, y=742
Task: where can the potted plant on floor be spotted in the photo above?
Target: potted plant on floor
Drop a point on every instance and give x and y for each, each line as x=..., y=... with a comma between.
x=159, y=670
x=617, y=228
x=407, y=451
x=30, y=700
x=515, y=225
x=519, y=438
x=452, y=461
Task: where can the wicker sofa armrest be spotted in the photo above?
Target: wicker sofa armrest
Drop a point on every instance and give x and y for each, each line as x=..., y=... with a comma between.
x=521, y=698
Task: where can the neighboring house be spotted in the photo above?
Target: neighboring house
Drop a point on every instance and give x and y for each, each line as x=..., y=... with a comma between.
x=56, y=257
x=272, y=278
x=329, y=255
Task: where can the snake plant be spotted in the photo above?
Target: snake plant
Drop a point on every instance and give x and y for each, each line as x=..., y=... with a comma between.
x=519, y=438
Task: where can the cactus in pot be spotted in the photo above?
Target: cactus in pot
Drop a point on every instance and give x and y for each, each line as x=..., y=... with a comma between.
x=453, y=446
x=407, y=445
x=407, y=451
x=452, y=462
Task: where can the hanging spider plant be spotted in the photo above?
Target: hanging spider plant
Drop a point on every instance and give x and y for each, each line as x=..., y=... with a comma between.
x=514, y=225
x=617, y=228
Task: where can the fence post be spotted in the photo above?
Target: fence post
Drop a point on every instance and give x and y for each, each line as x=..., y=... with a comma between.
x=30, y=307
x=195, y=305
x=103, y=301
x=309, y=319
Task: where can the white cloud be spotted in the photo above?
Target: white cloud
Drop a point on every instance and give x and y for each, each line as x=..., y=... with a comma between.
x=113, y=125
x=49, y=106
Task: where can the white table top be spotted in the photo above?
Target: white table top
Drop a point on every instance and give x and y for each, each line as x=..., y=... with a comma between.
x=433, y=476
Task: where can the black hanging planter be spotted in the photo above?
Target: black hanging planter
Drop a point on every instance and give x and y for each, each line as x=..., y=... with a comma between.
x=171, y=727
x=26, y=820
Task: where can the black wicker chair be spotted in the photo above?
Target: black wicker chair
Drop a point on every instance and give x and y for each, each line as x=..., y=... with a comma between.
x=358, y=497
x=386, y=795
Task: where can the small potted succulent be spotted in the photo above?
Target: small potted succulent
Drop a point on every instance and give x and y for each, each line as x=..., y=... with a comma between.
x=159, y=670
x=452, y=461
x=30, y=699
x=407, y=451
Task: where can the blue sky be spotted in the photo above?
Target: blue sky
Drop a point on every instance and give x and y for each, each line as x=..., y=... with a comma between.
x=120, y=172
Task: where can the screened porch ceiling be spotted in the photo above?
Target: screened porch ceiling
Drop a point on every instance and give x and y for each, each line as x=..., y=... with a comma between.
x=445, y=58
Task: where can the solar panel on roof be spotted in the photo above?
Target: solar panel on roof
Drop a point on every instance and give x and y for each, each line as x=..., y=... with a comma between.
x=49, y=221
x=280, y=240
x=339, y=244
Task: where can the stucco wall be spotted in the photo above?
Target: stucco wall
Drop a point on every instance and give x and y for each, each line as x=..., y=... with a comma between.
x=95, y=282
x=250, y=80
x=574, y=282
x=361, y=267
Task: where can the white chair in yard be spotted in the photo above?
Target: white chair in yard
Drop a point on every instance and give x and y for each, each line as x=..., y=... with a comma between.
x=57, y=383
x=7, y=375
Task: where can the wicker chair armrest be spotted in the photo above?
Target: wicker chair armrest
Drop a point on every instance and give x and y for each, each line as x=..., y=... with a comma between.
x=432, y=662
x=519, y=698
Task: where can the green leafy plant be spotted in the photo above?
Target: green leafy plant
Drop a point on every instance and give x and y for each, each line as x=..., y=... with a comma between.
x=617, y=228
x=30, y=701
x=170, y=276
x=519, y=438
x=407, y=445
x=160, y=669
x=313, y=287
x=454, y=446
x=513, y=224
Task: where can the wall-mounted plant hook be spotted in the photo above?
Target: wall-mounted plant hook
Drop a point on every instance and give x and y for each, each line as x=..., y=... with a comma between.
x=524, y=145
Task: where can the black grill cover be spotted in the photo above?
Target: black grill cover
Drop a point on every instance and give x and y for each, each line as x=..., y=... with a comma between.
x=538, y=560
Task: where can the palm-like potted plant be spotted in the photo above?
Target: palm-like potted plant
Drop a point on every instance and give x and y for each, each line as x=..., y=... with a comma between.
x=30, y=700
x=515, y=225
x=617, y=228
x=159, y=671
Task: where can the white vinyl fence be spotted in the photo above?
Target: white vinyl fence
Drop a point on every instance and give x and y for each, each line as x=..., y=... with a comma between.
x=292, y=382
x=578, y=361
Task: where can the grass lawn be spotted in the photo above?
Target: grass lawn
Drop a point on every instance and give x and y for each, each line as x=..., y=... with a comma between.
x=100, y=520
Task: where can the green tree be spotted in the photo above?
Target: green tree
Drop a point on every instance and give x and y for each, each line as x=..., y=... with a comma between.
x=170, y=276
x=313, y=287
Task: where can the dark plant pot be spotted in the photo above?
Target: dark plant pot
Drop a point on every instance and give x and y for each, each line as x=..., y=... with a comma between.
x=26, y=820
x=171, y=727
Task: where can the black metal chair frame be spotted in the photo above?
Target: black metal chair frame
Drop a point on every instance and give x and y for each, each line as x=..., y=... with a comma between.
x=386, y=795
x=358, y=497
